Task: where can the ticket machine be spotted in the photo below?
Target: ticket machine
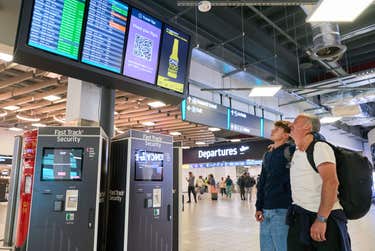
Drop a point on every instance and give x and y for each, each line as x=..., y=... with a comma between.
x=69, y=189
x=141, y=192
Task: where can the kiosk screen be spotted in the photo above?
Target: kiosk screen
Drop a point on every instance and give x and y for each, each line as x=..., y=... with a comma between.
x=148, y=166
x=62, y=164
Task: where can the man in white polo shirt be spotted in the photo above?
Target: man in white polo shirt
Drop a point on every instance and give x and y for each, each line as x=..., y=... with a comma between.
x=316, y=219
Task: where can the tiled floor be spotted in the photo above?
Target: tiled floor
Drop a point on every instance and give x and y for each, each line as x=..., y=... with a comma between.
x=229, y=224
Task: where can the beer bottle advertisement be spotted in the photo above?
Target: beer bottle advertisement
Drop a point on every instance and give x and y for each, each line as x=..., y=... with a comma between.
x=173, y=60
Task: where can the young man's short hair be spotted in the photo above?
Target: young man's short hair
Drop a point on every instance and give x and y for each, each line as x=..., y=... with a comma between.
x=283, y=124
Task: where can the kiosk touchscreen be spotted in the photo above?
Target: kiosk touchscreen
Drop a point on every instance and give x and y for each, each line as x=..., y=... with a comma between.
x=141, y=192
x=69, y=182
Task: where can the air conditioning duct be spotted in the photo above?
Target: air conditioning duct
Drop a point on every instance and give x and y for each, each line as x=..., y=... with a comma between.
x=327, y=42
x=346, y=111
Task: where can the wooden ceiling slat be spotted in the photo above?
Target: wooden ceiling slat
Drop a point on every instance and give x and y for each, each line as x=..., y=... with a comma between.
x=24, y=90
x=15, y=80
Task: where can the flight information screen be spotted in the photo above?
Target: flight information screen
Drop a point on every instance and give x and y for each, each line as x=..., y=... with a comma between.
x=173, y=60
x=56, y=26
x=62, y=164
x=105, y=34
x=142, y=51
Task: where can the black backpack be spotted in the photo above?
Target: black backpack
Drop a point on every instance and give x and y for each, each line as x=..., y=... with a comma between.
x=355, y=176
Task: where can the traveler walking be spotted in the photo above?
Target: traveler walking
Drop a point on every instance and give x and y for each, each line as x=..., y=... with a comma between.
x=241, y=183
x=222, y=186
x=316, y=218
x=191, y=188
x=273, y=193
x=200, y=185
x=229, y=184
x=249, y=184
x=212, y=184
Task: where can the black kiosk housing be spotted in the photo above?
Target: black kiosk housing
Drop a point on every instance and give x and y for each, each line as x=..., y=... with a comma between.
x=141, y=192
x=68, y=210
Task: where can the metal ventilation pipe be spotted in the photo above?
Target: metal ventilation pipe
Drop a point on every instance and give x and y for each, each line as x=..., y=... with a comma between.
x=327, y=42
x=327, y=47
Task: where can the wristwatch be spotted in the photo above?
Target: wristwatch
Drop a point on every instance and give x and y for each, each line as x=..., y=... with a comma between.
x=321, y=219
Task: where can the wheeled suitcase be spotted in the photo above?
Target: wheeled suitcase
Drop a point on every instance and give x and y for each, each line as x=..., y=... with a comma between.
x=214, y=196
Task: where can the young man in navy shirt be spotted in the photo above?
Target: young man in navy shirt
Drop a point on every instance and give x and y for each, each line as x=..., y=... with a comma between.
x=274, y=193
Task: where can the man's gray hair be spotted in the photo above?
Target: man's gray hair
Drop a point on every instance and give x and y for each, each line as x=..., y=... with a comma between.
x=313, y=120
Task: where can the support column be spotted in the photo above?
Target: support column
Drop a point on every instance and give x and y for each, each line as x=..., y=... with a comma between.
x=90, y=105
x=371, y=143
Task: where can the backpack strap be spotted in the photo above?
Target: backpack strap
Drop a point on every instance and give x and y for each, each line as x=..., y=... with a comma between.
x=310, y=154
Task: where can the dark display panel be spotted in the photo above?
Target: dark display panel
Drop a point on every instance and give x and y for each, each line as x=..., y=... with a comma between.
x=142, y=51
x=244, y=123
x=105, y=34
x=56, y=26
x=173, y=60
x=148, y=166
x=62, y=164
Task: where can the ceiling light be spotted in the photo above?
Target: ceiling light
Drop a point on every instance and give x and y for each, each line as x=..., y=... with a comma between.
x=148, y=123
x=52, y=98
x=11, y=108
x=119, y=131
x=25, y=118
x=15, y=129
x=60, y=120
x=157, y=104
x=328, y=120
x=200, y=143
x=3, y=114
x=38, y=125
x=265, y=91
x=116, y=113
x=204, y=6
x=337, y=10
x=186, y=147
x=235, y=140
x=214, y=129
x=175, y=133
x=6, y=57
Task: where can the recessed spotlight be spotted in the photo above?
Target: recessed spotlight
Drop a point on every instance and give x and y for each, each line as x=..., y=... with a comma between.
x=11, y=107
x=60, y=120
x=200, y=143
x=52, y=98
x=329, y=120
x=157, y=104
x=186, y=147
x=15, y=129
x=38, y=125
x=6, y=57
x=3, y=114
x=175, y=133
x=214, y=129
x=148, y=123
x=26, y=118
x=266, y=91
x=204, y=6
x=116, y=113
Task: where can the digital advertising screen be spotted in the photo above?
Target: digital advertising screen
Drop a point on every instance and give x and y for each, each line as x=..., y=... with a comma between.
x=62, y=164
x=142, y=51
x=104, y=37
x=173, y=60
x=56, y=26
x=148, y=166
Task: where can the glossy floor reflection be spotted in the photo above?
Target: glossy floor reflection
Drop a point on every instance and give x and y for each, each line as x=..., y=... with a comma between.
x=229, y=224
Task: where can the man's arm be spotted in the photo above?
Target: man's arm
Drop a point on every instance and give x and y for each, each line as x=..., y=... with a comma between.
x=330, y=186
x=328, y=199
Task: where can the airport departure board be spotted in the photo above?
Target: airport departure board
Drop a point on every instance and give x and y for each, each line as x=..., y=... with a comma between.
x=142, y=52
x=56, y=26
x=105, y=34
x=173, y=60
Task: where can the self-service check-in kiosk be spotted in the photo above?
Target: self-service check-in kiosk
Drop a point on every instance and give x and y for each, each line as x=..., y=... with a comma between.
x=68, y=196
x=141, y=196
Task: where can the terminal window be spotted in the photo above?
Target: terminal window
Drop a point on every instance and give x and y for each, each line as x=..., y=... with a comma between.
x=62, y=164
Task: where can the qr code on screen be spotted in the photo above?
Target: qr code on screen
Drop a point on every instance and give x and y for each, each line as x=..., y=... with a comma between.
x=142, y=47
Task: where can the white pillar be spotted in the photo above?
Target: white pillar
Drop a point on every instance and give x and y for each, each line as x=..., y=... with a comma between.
x=83, y=103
